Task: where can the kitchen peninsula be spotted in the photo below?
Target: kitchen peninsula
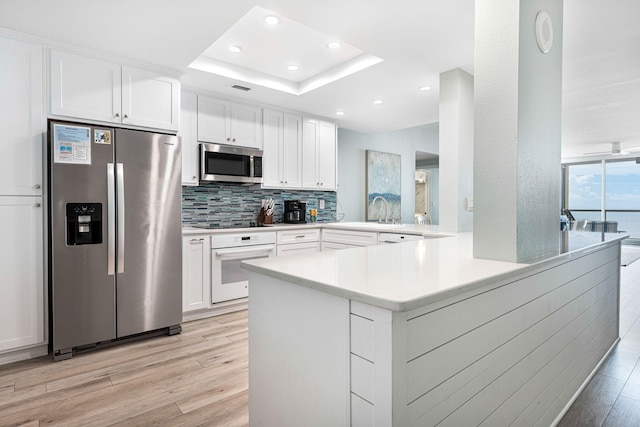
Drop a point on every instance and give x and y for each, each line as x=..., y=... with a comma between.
x=421, y=333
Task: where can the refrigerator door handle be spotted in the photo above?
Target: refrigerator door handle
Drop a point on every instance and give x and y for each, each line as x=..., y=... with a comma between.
x=111, y=220
x=120, y=195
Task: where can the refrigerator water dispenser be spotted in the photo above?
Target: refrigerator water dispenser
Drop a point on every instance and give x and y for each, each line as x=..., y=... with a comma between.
x=84, y=224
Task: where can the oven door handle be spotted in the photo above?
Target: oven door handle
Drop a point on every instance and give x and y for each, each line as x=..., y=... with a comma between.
x=239, y=253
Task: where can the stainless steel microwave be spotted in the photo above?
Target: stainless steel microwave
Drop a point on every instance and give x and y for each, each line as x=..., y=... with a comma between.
x=226, y=163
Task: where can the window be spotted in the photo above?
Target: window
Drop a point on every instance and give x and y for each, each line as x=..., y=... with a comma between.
x=583, y=192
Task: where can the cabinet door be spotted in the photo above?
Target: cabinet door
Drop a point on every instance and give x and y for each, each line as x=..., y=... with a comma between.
x=196, y=272
x=310, y=135
x=246, y=126
x=85, y=88
x=150, y=99
x=292, y=151
x=21, y=272
x=273, y=128
x=214, y=120
x=20, y=118
x=188, y=129
x=326, y=152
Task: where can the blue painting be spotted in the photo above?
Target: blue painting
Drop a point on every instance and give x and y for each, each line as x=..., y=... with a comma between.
x=383, y=185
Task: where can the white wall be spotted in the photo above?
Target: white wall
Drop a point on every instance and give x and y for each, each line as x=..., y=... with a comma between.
x=352, y=148
x=456, y=149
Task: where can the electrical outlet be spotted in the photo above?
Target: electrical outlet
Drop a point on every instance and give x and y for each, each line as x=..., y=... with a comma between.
x=469, y=204
x=321, y=204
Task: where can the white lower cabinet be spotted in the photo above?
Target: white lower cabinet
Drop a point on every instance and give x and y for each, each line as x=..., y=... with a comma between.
x=196, y=272
x=21, y=273
x=296, y=242
x=344, y=239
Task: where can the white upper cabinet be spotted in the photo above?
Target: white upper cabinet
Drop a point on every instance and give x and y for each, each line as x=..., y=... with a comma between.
x=86, y=88
x=20, y=118
x=327, y=156
x=319, y=155
x=94, y=89
x=246, y=125
x=281, y=161
x=188, y=132
x=150, y=99
x=292, y=150
x=223, y=122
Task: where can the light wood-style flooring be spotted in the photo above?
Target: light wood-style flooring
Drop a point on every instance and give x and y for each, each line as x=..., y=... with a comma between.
x=196, y=378
x=199, y=378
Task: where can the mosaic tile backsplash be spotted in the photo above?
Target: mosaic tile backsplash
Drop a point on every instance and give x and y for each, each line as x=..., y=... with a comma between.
x=229, y=205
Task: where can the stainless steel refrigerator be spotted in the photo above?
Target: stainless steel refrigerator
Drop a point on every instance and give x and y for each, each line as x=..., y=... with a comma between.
x=115, y=267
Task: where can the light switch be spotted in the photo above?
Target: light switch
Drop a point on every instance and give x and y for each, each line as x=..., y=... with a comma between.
x=469, y=204
x=321, y=204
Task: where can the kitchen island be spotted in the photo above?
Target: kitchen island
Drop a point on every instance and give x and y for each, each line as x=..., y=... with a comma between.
x=421, y=333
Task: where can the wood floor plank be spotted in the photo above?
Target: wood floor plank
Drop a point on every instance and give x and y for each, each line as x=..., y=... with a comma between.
x=236, y=385
x=136, y=365
x=625, y=413
x=230, y=412
x=36, y=408
x=22, y=395
x=153, y=417
x=594, y=403
x=123, y=402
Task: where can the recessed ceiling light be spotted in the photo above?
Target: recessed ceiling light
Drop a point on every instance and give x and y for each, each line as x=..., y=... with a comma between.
x=425, y=88
x=271, y=20
x=334, y=45
x=293, y=67
x=340, y=113
x=234, y=49
x=377, y=102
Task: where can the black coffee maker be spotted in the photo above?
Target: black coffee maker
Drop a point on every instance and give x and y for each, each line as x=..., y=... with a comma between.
x=294, y=211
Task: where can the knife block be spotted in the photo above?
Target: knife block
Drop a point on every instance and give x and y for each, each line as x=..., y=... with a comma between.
x=263, y=218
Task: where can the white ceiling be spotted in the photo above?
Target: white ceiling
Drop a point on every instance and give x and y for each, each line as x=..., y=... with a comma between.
x=417, y=40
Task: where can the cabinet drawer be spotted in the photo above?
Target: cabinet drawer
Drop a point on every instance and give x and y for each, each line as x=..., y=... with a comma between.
x=357, y=238
x=298, y=248
x=298, y=236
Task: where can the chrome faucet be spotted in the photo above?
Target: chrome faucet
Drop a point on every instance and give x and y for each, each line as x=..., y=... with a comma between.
x=386, y=208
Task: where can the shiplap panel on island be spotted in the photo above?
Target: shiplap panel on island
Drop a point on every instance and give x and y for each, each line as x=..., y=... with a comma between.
x=514, y=351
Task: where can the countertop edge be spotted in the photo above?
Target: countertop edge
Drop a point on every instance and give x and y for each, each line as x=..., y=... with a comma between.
x=189, y=230
x=520, y=271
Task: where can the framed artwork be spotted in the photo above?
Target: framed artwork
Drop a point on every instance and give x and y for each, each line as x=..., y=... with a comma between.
x=383, y=185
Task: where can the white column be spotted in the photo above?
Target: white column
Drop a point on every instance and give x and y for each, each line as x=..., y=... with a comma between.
x=456, y=150
x=518, y=104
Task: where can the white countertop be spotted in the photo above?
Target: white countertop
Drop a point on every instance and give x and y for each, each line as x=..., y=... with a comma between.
x=424, y=230
x=404, y=276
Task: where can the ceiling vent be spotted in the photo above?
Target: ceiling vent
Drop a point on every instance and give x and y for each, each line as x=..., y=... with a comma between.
x=244, y=88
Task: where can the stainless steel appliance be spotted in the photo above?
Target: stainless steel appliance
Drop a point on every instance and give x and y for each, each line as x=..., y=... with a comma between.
x=226, y=163
x=294, y=211
x=228, y=280
x=114, y=235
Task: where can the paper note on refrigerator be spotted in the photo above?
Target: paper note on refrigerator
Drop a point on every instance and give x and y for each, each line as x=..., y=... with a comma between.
x=72, y=144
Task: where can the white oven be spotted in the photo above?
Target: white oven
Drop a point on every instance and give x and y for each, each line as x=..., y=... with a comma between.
x=229, y=281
